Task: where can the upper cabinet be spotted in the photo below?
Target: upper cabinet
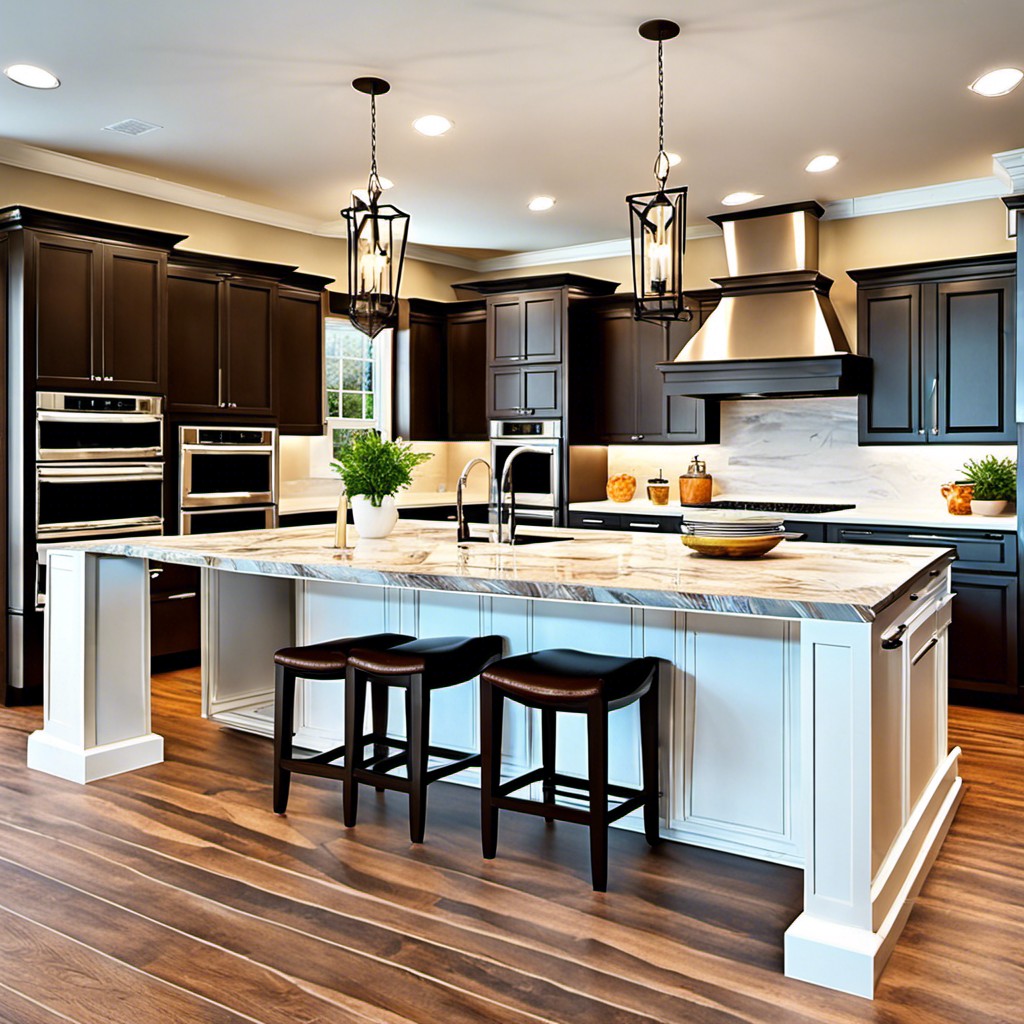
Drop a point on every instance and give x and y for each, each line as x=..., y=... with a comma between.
x=526, y=327
x=100, y=313
x=467, y=372
x=940, y=336
x=299, y=377
x=616, y=392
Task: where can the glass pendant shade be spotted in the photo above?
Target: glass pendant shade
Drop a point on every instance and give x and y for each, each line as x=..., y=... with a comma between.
x=657, y=229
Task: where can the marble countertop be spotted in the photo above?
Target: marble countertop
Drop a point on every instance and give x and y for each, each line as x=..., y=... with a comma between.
x=802, y=580
x=329, y=503
x=932, y=515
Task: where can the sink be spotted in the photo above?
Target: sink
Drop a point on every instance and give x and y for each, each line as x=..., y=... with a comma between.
x=521, y=538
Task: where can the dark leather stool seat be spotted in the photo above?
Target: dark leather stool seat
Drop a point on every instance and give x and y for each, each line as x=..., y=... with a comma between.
x=323, y=661
x=577, y=682
x=419, y=667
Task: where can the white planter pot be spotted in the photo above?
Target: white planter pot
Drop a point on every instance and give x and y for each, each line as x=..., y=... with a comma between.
x=988, y=508
x=374, y=523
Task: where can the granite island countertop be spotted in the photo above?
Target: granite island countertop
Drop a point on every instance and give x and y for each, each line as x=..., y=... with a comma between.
x=842, y=582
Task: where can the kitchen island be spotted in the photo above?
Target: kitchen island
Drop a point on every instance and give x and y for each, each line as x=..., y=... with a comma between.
x=803, y=718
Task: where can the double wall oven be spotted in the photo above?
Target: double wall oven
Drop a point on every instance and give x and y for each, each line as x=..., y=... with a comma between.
x=536, y=475
x=99, y=469
x=227, y=479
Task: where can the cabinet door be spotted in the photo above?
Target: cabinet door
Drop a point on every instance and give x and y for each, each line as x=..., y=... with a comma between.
x=467, y=372
x=681, y=419
x=650, y=348
x=983, y=634
x=506, y=392
x=542, y=326
x=66, y=275
x=973, y=400
x=505, y=329
x=542, y=391
x=299, y=338
x=134, y=318
x=194, y=316
x=246, y=350
x=609, y=359
x=420, y=378
x=889, y=331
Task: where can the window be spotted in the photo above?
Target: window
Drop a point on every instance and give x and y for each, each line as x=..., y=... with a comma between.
x=357, y=370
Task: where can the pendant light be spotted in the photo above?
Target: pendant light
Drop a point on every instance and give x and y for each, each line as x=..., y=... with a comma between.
x=376, y=239
x=657, y=220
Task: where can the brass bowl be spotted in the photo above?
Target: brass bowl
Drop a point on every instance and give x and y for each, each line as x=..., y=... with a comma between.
x=733, y=547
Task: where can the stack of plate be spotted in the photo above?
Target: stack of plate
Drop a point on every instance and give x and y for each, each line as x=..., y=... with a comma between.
x=731, y=534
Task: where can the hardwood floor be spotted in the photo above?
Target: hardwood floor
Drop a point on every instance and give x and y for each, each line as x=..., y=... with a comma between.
x=174, y=895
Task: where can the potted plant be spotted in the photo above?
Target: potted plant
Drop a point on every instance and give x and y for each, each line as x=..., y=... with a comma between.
x=995, y=484
x=374, y=471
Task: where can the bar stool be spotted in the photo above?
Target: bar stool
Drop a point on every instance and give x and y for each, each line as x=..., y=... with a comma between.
x=327, y=660
x=580, y=683
x=419, y=667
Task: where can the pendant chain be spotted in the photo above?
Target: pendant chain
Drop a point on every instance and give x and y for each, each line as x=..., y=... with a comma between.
x=661, y=100
x=373, y=135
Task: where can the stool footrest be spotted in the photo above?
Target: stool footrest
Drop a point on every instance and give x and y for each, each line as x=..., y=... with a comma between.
x=570, y=786
x=577, y=815
x=375, y=771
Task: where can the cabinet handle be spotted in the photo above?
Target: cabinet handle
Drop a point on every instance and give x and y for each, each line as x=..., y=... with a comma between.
x=593, y=522
x=108, y=378
x=529, y=412
x=182, y=597
x=220, y=387
x=645, y=526
x=935, y=405
x=856, y=533
x=924, y=650
x=890, y=643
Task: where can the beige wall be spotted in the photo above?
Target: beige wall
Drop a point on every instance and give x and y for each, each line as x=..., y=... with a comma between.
x=209, y=232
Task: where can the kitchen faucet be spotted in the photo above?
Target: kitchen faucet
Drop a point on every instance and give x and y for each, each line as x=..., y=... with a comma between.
x=505, y=478
x=460, y=515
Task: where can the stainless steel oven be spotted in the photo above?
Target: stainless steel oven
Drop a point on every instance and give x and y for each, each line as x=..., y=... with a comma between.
x=226, y=520
x=223, y=466
x=98, y=499
x=536, y=475
x=72, y=427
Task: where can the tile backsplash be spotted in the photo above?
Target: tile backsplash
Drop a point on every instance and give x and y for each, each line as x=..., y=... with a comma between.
x=806, y=449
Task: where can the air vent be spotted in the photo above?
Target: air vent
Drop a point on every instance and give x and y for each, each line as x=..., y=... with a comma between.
x=132, y=126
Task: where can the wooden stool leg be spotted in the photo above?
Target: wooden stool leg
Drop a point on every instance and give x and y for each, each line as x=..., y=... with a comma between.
x=547, y=756
x=355, y=710
x=492, y=707
x=649, y=762
x=379, y=720
x=284, y=725
x=597, y=751
x=419, y=747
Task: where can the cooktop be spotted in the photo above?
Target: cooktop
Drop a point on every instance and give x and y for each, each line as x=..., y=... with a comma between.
x=775, y=506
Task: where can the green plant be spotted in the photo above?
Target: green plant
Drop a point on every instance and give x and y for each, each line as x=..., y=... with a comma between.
x=375, y=468
x=994, y=479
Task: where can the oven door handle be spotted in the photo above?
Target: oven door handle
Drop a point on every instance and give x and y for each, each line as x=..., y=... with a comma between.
x=92, y=477
x=228, y=449
x=51, y=416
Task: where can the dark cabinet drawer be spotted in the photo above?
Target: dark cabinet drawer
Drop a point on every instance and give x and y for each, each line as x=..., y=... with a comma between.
x=979, y=550
x=814, y=532
x=595, y=520
x=983, y=634
x=650, y=524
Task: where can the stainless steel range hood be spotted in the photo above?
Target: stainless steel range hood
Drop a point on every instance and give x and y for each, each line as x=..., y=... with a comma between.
x=774, y=333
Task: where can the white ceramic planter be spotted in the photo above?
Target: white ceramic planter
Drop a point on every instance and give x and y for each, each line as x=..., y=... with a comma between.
x=370, y=522
x=988, y=508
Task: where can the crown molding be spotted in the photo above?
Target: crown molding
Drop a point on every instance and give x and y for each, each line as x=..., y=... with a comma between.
x=1008, y=176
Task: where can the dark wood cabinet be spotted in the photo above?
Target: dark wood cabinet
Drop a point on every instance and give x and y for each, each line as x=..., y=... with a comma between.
x=220, y=340
x=299, y=363
x=616, y=392
x=100, y=314
x=467, y=374
x=174, y=614
x=526, y=326
x=983, y=636
x=940, y=336
x=525, y=391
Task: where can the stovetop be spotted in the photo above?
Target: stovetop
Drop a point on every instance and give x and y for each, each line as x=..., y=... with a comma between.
x=776, y=506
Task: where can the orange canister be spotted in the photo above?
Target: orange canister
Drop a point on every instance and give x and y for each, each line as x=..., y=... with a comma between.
x=657, y=490
x=695, y=485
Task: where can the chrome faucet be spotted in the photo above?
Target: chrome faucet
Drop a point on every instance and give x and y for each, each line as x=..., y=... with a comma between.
x=463, y=530
x=505, y=475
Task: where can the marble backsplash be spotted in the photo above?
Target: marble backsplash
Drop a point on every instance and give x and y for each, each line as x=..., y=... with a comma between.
x=806, y=449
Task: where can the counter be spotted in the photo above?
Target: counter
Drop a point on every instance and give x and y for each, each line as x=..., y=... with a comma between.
x=803, y=711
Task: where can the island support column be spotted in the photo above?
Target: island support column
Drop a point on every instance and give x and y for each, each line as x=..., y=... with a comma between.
x=96, y=711
x=879, y=789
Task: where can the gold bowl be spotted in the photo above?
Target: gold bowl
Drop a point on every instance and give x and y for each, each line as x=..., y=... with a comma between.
x=732, y=547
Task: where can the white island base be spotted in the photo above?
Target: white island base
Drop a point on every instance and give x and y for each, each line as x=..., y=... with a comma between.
x=786, y=737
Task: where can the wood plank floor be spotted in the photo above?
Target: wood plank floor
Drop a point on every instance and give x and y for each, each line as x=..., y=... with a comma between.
x=174, y=896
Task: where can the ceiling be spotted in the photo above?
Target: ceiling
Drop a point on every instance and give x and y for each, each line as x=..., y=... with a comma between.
x=547, y=96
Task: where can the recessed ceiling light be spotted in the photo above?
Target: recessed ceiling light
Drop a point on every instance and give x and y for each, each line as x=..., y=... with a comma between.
x=825, y=162
x=540, y=203
x=739, y=198
x=673, y=159
x=998, y=82
x=32, y=76
x=432, y=124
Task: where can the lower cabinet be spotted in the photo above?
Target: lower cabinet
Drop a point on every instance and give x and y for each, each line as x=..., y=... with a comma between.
x=983, y=634
x=174, y=614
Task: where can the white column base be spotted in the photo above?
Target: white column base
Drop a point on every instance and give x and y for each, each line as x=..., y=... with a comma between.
x=851, y=959
x=79, y=764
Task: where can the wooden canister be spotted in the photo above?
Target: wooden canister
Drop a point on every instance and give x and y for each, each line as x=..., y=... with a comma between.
x=695, y=485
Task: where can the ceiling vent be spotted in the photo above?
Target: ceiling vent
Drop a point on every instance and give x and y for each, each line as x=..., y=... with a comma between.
x=132, y=126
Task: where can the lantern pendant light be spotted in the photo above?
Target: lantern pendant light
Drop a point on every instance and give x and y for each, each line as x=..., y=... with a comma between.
x=376, y=239
x=657, y=220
